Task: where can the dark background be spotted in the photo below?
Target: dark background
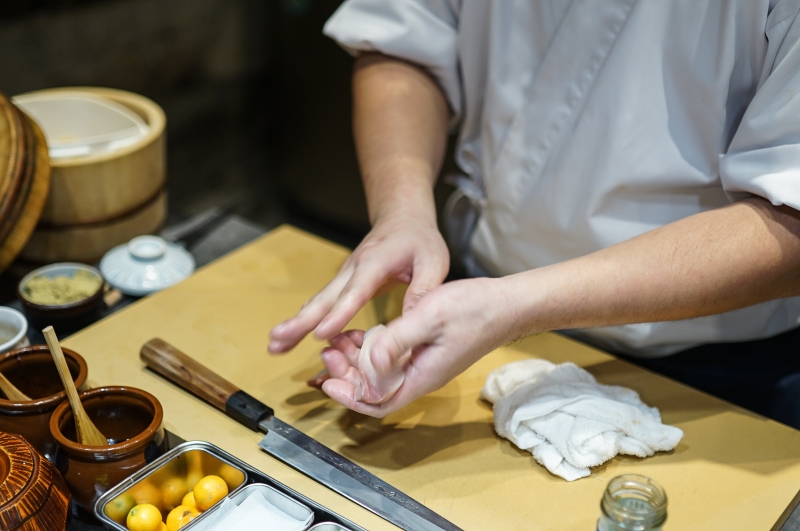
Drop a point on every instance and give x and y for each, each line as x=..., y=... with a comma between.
x=257, y=99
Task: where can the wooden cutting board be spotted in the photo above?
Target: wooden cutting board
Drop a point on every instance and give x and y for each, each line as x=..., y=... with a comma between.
x=734, y=470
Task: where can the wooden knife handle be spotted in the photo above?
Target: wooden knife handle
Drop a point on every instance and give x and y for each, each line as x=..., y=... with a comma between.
x=187, y=373
x=203, y=382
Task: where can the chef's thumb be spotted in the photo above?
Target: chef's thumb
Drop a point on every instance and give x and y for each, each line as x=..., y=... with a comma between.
x=405, y=334
x=427, y=277
x=389, y=356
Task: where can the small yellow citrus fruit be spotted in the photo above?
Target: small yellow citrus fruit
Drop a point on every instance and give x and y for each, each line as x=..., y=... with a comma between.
x=180, y=516
x=118, y=508
x=233, y=478
x=146, y=492
x=188, y=501
x=144, y=517
x=209, y=491
x=194, y=467
x=173, y=491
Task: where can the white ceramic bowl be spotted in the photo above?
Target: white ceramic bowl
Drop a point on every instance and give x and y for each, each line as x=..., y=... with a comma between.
x=13, y=329
x=146, y=264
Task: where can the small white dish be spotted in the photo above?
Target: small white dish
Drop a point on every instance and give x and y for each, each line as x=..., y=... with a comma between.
x=13, y=329
x=146, y=264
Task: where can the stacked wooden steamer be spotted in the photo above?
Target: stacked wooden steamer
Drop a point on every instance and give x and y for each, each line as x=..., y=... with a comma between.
x=33, y=495
x=24, y=179
x=99, y=201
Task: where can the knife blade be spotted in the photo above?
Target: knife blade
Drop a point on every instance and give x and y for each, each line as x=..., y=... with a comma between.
x=292, y=446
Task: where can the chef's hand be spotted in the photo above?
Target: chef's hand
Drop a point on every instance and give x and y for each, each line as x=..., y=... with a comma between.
x=399, y=249
x=446, y=332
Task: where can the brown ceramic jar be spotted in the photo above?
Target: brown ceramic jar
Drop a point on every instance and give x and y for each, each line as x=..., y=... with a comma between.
x=32, y=371
x=33, y=496
x=130, y=419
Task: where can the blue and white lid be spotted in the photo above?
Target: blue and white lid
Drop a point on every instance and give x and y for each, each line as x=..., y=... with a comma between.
x=146, y=264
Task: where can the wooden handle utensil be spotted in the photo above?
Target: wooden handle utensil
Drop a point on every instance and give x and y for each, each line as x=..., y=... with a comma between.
x=188, y=373
x=10, y=390
x=88, y=433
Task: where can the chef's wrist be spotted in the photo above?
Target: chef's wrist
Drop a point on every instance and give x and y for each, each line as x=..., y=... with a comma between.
x=524, y=299
x=404, y=206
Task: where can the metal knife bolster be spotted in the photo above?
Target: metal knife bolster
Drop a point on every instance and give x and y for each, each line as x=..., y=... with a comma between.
x=248, y=410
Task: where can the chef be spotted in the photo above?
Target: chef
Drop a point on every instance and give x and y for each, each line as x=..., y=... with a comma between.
x=631, y=177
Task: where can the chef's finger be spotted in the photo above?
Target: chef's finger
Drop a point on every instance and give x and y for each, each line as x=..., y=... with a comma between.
x=410, y=331
x=339, y=368
x=318, y=379
x=428, y=275
x=345, y=344
x=344, y=393
x=392, y=349
x=356, y=336
x=288, y=333
x=362, y=285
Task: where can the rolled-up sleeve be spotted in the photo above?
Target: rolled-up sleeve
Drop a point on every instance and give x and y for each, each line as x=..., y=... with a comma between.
x=764, y=154
x=423, y=32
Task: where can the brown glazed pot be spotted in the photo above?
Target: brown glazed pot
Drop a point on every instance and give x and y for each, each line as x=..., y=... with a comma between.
x=32, y=371
x=130, y=418
x=33, y=496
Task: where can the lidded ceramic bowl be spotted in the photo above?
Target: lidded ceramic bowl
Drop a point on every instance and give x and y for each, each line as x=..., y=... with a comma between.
x=33, y=496
x=146, y=264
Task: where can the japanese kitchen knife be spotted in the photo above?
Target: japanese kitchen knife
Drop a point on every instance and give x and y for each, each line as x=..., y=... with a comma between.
x=292, y=446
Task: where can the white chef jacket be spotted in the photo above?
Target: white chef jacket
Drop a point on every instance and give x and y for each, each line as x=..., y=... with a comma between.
x=584, y=123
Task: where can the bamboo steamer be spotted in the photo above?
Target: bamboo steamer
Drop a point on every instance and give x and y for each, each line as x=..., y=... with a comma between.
x=24, y=179
x=33, y=495
x=99, y=201
x=88, y=242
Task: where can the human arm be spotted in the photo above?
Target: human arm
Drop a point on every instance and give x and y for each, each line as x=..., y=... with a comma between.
x=400, y=121
x=716, y=261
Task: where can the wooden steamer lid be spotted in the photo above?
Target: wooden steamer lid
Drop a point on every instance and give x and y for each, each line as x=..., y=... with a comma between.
x=33, y=495
x=24, y=179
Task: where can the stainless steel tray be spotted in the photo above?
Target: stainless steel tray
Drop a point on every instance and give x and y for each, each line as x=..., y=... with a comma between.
x=216, y=455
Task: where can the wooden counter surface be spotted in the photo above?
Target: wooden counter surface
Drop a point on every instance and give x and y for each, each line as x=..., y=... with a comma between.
x=734, y=470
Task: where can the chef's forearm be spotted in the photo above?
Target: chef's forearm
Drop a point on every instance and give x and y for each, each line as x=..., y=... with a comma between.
x=709, y=263
x=400, y=125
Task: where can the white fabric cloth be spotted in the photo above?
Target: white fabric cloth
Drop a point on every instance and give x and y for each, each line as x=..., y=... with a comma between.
x=568, y=421
x=584, y=123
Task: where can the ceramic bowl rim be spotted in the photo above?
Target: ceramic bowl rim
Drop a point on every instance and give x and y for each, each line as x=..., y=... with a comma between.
x=111, y=451
x=45, y=402
x=19, y=335
x=55, y=307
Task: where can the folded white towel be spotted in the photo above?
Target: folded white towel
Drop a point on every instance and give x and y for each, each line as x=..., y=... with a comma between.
x=568, y=421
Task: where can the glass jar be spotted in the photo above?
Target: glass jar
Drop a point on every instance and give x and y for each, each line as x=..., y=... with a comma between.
x=632, y=503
